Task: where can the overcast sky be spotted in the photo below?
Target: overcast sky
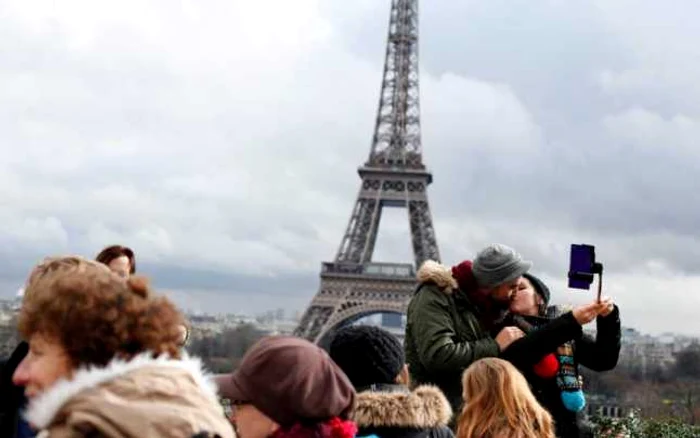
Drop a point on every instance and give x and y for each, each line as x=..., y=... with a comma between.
x=220, y=139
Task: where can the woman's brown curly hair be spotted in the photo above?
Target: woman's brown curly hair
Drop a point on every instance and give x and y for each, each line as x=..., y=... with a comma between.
x=95, y=314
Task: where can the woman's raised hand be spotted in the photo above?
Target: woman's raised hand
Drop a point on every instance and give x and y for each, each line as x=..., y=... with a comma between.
x=588, y=312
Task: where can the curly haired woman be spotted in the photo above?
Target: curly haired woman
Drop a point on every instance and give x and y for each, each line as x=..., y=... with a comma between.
x=104, y=358
x=498, y=403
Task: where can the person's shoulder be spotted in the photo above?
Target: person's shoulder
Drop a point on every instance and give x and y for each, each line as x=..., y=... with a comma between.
x=430, y=292
x=441, y=432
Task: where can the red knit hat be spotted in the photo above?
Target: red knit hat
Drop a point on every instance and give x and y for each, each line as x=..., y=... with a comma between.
x=464, y=276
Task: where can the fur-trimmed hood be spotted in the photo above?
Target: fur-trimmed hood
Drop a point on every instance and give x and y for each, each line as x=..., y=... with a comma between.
x=144, y=396
x=424, y=407
x=439, y=274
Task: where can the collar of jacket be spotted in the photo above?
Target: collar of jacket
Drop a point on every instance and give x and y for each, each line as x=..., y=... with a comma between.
x=396, y=406
x=43, y=409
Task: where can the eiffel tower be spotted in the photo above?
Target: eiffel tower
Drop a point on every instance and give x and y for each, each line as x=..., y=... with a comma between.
x=352, y=286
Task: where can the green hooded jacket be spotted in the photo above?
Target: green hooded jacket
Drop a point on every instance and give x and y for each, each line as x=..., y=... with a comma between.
x=443, y=334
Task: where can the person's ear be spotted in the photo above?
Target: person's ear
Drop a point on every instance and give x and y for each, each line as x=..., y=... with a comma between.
x=404, y=377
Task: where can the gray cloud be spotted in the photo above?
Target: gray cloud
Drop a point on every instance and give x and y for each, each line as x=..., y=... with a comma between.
x=221, y=141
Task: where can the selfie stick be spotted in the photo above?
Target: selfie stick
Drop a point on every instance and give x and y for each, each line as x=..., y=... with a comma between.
x=598, y=268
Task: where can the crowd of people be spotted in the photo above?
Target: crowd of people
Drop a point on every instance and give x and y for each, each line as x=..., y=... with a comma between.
x=484, y=356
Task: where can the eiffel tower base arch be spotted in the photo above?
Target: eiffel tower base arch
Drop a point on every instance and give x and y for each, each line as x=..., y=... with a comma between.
x=349, y=292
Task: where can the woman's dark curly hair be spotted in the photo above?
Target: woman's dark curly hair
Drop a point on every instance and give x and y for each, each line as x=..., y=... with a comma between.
x=97, y=315
x=114, y=252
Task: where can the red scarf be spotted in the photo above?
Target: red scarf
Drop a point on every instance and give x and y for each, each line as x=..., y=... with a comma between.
x=333, y=428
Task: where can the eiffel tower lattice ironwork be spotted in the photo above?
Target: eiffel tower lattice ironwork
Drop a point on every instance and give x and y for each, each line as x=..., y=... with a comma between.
x=352, y=286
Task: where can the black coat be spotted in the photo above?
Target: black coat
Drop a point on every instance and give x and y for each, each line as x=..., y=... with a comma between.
x=599, y=354
x=392, y=411
x=12, y=398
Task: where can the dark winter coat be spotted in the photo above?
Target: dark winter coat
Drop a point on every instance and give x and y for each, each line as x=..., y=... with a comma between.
x=392, y=411
x=443, y=333
x=12, y=399
x=599, y=354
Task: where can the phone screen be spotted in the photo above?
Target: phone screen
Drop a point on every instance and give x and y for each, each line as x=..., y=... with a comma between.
x=581, y=267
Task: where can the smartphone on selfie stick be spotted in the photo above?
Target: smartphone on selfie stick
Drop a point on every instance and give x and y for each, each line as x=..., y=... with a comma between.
x=583, y=268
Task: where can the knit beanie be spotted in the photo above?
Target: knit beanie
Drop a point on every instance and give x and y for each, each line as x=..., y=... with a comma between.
x=539, y=286
x=368, y=355
x=498, y=264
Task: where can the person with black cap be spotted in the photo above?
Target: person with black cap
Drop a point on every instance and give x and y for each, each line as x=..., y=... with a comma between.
x=555, y=378
x=287, y=387
x=373, y=359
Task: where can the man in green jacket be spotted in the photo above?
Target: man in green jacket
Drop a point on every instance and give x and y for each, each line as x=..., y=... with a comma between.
x=445, y=329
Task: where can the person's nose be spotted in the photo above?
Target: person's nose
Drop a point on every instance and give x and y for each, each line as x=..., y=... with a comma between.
x=21, y=375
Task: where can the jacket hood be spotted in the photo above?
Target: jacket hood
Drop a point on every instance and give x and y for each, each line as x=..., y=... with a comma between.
x=439, y=274
x=424, y=407
x=153, y=395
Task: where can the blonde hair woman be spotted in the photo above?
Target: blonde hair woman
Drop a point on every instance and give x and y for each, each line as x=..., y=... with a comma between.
x=498, y=403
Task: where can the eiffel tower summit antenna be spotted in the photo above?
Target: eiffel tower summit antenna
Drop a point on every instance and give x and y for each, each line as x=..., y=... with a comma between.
x=352, y=286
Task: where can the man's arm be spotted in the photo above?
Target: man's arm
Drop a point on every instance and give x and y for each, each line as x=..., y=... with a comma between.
x=435, y=335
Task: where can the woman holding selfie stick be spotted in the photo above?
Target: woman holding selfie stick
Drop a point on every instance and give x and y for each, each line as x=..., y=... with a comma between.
x=554, y=377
